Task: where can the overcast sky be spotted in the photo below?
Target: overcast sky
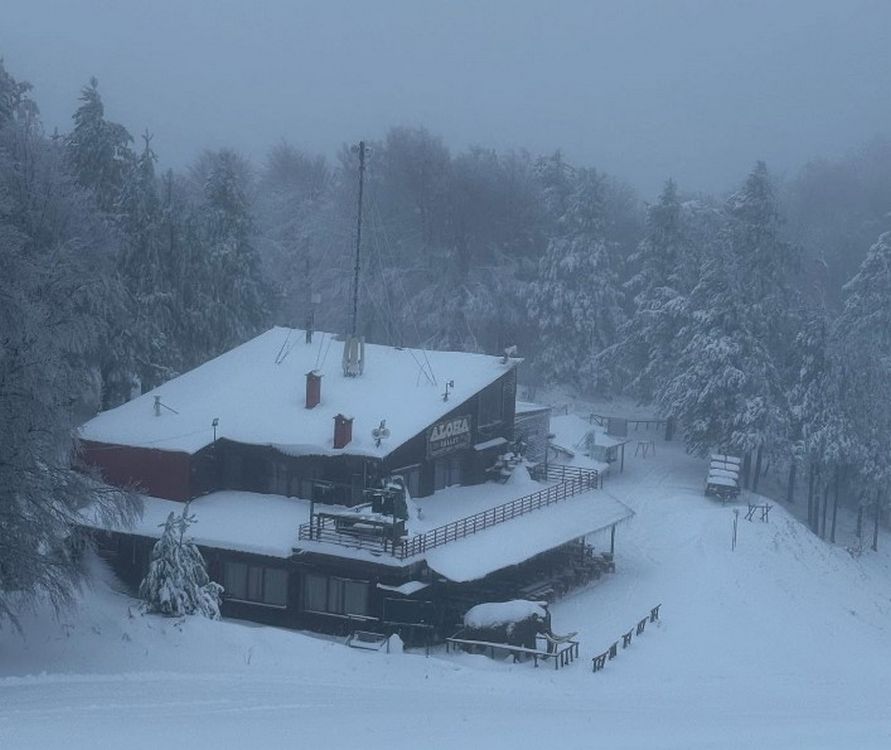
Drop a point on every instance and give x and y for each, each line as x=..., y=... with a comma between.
x=693, y=89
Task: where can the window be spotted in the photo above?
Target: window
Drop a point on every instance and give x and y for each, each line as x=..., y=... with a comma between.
x=336, y=596
x=255, y=583
x=315, y=596
x=491, y=404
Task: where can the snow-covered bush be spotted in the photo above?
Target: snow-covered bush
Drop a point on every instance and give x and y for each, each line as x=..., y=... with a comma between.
x=177, y=583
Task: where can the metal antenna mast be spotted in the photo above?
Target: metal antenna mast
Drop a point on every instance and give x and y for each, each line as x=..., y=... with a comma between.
x=354, y=319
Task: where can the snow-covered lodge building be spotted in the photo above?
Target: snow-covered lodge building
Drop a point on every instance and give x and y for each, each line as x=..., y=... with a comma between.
x=297, y=476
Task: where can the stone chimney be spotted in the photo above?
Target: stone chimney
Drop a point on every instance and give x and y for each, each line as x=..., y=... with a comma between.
x=343, y=430
x=313, y=388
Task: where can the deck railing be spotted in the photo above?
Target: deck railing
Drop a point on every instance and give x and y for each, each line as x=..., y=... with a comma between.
x=571, y=481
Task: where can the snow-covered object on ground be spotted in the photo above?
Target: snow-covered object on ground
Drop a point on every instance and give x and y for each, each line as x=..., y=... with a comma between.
x=395, y=644
x=493, y=614
x=257, y=392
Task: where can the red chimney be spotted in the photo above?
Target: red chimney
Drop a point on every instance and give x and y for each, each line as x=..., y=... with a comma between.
x=313, y=388
x=343, y=430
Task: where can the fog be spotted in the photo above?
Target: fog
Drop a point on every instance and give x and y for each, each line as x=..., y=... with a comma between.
x=645, y=90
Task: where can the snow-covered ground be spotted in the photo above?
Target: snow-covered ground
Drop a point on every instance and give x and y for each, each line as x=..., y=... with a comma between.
x=782, y=642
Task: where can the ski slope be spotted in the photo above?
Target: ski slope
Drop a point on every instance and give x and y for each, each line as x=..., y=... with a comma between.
x=782, y=642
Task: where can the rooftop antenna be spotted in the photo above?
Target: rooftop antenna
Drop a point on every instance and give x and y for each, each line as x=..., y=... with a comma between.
x=354, y=318
x=354, y=347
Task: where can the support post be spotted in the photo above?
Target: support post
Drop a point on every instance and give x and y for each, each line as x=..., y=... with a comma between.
x=612, y=540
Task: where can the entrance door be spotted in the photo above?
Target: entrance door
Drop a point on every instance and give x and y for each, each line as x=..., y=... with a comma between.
x=447, y=471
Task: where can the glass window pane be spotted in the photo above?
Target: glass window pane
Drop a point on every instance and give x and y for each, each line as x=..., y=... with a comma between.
x=275, y=590
x=315, y=592
x=355, y=598
x=255, y=583
x=235, y=580
x=335, y=596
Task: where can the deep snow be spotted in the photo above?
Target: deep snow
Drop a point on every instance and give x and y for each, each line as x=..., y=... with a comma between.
x=783, y=642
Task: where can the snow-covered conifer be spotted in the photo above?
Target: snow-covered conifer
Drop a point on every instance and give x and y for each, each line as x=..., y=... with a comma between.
x=99, y=150
x=577, y=301
x=648, y=344
x=177, y=583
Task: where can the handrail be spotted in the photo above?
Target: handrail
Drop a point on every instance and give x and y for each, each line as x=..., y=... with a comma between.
x=571, y=481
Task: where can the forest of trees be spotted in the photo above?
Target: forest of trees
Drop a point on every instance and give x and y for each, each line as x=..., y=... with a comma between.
x=759, y=320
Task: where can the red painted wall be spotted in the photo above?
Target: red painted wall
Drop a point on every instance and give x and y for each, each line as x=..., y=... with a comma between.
x=154, y=472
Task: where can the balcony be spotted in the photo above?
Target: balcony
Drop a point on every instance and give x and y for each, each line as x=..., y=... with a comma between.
x=358, y=528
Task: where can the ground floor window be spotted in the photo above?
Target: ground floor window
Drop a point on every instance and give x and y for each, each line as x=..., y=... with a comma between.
x=446, y=471
x=255, y=583
x=336, y=596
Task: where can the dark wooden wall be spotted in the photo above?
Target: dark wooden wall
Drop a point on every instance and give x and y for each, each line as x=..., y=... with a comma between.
x=154, y=472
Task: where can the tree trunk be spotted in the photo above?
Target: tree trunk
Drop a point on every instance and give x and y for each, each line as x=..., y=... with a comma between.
x=835, y=505
x=747, y=464
x=790, y=490
x=810, y=495
x=860, y=514
x=825, y=506
x=757, y=468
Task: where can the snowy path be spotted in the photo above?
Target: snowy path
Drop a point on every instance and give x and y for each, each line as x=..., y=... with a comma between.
x=783, y=642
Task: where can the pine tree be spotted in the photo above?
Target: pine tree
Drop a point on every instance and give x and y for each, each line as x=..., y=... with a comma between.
x=99, y=150
x=648, y=343
x=148, y=273
x=177, y=583
x=230, y=298
x=54, y=300
x=766, y=261
x=723, y=389
x=577, y=302
x=862, y=342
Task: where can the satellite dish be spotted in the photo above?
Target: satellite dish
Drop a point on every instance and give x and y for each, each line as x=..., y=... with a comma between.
x=380, y=433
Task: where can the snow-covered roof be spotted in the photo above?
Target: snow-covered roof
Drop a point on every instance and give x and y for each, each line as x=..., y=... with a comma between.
x=527, y=407
x=521, y=538
x=493, y=614
x=257, y=391
x=240, y=521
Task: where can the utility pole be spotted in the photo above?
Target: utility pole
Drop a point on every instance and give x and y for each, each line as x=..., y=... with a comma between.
x=354, y=320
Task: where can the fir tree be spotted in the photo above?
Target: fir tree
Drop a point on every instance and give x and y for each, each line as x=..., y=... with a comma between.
x=99, y=150
x=862, y=342
x=147, y=273
x=723, y=389
x=648, y=343
x=232, y=302
x=177, y=583
x=54, y=300
x=577, y=302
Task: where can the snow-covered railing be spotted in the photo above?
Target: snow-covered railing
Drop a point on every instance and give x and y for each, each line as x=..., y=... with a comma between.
x=571, y=481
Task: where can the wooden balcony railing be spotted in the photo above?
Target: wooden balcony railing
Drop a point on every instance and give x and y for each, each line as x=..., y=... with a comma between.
x=570, y=481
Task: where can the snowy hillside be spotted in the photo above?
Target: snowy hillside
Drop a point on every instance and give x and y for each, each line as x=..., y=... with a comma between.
x=783, y=642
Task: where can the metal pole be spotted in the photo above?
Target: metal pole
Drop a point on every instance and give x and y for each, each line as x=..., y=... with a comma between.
x=355, y=315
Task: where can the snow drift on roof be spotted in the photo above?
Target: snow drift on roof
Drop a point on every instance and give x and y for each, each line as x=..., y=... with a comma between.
x=257, y=391
x=522, y=538
x=240, y=521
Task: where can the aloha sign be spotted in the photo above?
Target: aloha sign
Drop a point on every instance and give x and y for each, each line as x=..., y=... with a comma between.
x=448, y=436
